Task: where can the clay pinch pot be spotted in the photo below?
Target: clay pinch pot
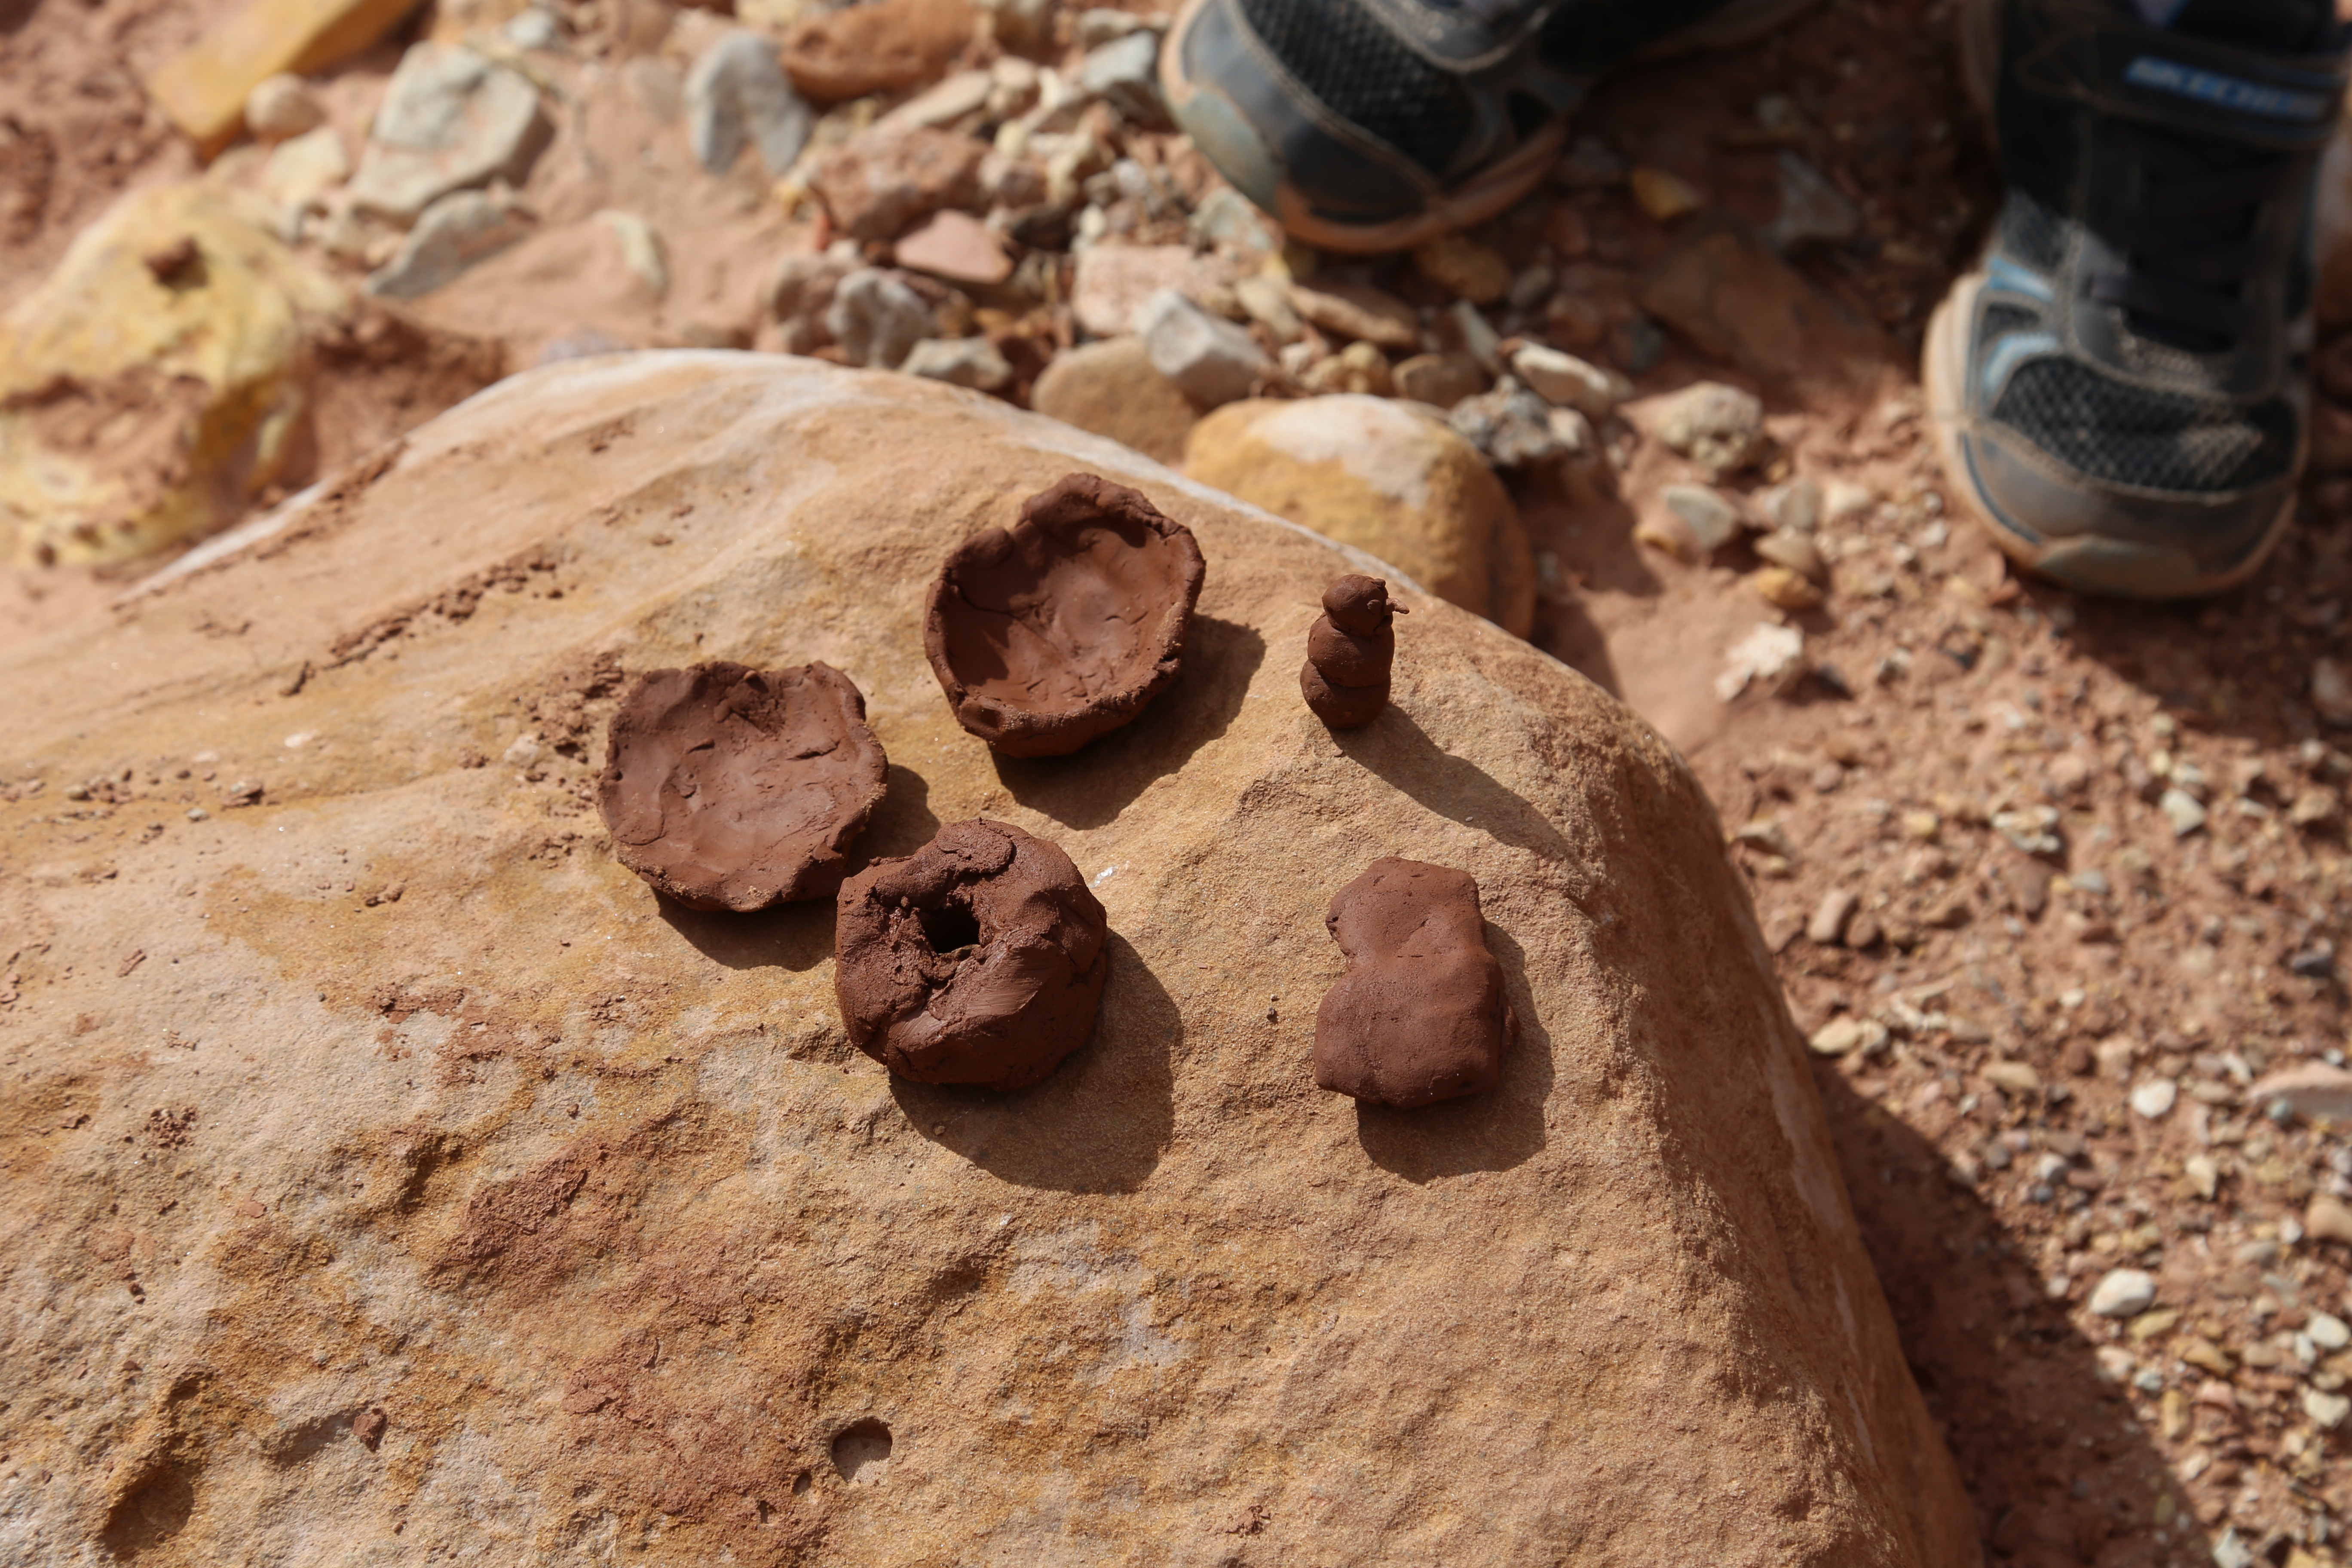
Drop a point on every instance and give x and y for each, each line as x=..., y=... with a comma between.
x=1422, y=1015
x=977, y=958
x=732, y=788
x=1061, y=628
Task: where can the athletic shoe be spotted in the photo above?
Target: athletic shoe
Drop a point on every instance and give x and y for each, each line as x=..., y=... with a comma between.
x=1372, y=125
x=2119, y=390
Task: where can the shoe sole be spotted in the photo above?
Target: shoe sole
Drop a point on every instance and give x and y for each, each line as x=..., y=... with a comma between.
x=2092, y=563
x=1489, y=192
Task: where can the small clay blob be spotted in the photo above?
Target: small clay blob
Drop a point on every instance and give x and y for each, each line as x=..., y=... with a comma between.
x=977, y=958
x=1061, y=629
x=733, y=788
x=1348, y=650
x=1421, y=1014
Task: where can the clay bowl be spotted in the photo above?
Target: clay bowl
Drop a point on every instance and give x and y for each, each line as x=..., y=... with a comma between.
x=978, y=958
x=1060, y=630
x=732, y=788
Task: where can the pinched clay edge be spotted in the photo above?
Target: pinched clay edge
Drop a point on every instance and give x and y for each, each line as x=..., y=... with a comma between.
x=827, y=866
x=1024, y=733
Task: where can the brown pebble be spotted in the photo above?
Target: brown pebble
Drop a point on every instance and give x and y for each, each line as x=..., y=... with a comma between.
x=978, y=958
x=369, y=1425
x=1420, y=1016
x=173, y=260
x=1349, y=651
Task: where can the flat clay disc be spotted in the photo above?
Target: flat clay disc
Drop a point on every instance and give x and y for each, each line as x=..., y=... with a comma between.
x=1061, y=628
x=977, y=958
x=733, y=788
x=1422, y=1015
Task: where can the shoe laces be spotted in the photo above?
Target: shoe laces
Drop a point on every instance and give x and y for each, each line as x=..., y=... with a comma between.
x=2190, y=231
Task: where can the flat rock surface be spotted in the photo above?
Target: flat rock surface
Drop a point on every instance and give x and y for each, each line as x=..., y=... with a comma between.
x=385, y=1159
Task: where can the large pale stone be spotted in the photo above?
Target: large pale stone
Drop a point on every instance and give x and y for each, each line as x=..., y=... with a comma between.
x=205, y=87
x=156, y=380
x=1371, y=473
x=1738, y=302
x=518, y=1217
x=1112, y=389
x=451, y=121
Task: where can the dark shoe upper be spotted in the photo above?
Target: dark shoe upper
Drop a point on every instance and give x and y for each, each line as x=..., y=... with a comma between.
x=2138, y=358
x=1369, y=109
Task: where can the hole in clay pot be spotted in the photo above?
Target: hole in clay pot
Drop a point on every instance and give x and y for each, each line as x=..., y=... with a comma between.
x=950, y=928
x=802, y=1482
x=862, y=1453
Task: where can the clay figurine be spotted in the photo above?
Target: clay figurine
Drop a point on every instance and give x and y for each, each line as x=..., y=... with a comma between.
x=1421, y=1014
x=733, y=788
x=1060, y=630
x=1348, y=651
x=977, y=958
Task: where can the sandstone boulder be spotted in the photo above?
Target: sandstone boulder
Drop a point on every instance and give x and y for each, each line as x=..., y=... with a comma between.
x=394, y=1178
x=1371, y=473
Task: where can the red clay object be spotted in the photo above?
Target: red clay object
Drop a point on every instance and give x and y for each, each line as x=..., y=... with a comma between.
x=978, y=958
x=1420, y=1016
x=733, y=788
x=1349, y=650
x=1061, y=628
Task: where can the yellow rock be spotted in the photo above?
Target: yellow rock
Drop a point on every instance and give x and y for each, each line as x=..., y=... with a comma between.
x=1788, y=590
x=2205, y=1353
x=1665, y=196
x=1371, y=473
x=1462, y=266
x=204, y=88
x=154, y=382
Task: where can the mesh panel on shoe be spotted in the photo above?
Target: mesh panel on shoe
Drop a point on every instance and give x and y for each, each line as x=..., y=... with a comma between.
x=1999, y=320
x=2116, y=433
x=1342, y=54
x=2032, y=232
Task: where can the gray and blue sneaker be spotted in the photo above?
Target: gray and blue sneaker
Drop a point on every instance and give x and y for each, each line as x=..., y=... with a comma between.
x=2120, y=389
x=1372, y=125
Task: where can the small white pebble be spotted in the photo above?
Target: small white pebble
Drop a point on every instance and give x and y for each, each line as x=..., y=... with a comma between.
x=2123, y=1293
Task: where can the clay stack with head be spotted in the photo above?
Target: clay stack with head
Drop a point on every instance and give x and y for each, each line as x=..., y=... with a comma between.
x=977, y=958
x=1421, y=1014
x=1061, y=628
x=1348, y=651
x=733, y=788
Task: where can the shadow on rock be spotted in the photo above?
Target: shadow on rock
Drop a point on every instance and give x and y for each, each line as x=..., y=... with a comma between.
x=1094, y=785
x=2060, y=1468
x=1595, y=544
x=902, y=824
x=795, y=936
x=1402, y=752
x=1480, y=1131
x=1566, y=630
x=1097, y=1124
